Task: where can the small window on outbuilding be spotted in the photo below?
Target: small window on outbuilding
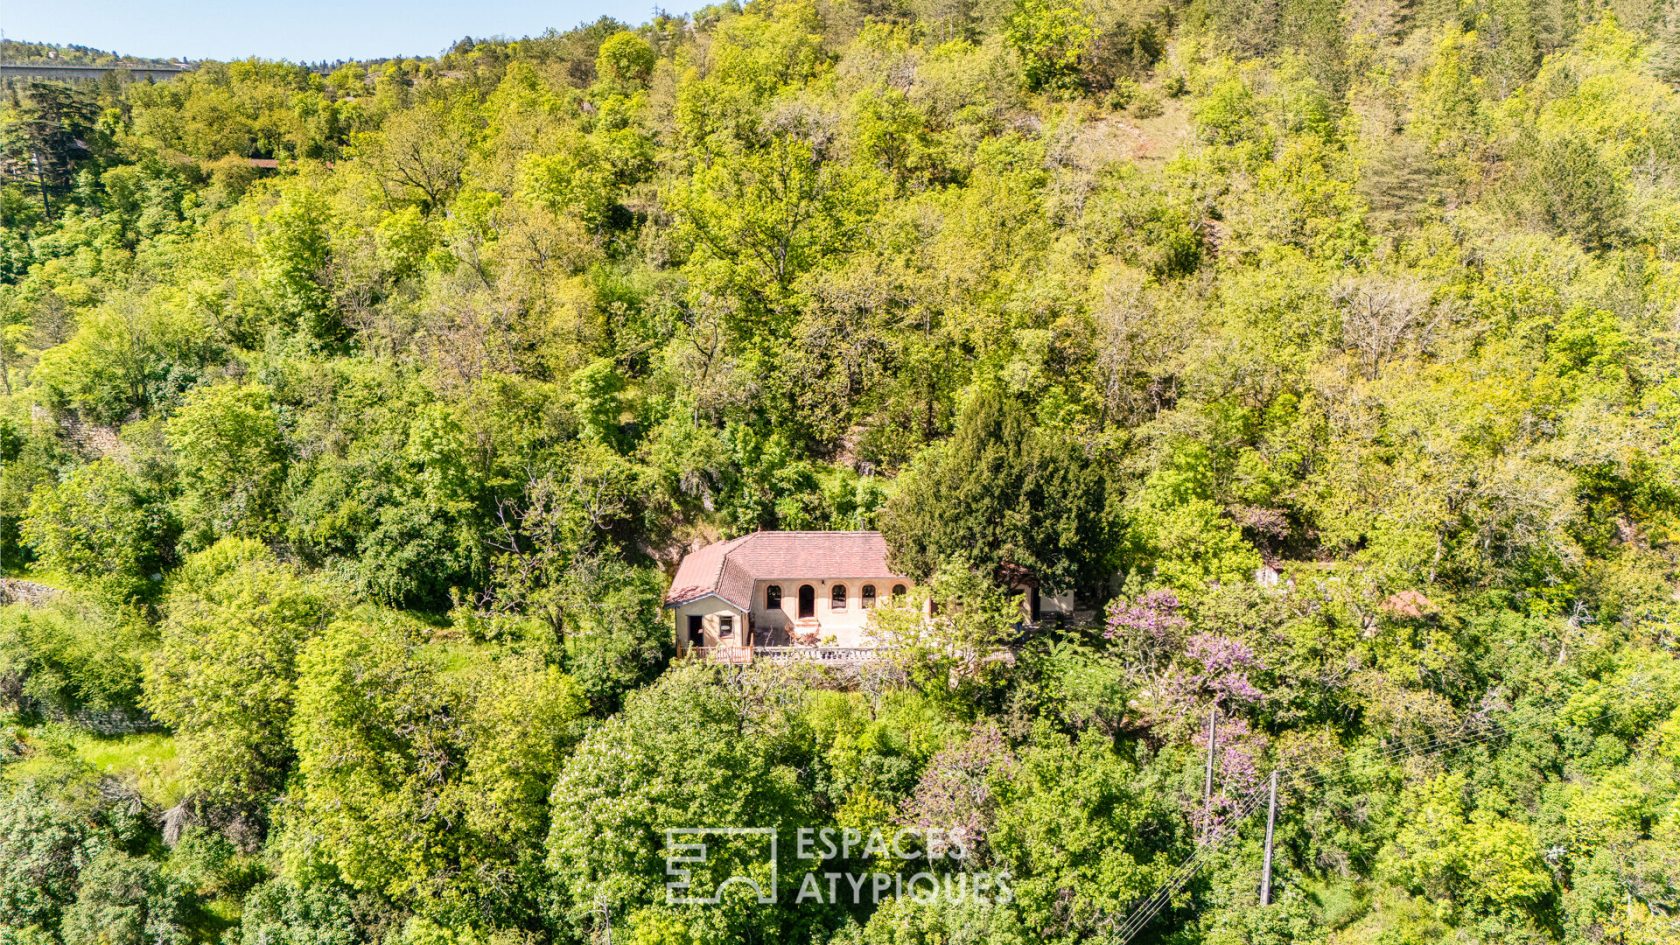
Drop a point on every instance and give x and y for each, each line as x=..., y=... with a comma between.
x=773, y=597
x=726, y=625
x=868, y=596
x=900, y=590
x=837, y=598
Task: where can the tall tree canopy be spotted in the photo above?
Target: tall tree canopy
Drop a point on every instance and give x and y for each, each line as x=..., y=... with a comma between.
x=1007, y=496
x=354, y=417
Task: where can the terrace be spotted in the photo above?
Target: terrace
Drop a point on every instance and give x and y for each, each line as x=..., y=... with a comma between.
x=822, y=655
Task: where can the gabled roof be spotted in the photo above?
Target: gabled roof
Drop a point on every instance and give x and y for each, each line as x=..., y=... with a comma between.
x=729, y=568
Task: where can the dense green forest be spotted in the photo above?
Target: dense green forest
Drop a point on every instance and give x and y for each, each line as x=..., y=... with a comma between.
x=352, y=421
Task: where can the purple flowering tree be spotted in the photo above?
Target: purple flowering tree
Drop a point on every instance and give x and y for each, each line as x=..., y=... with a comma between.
x=1187, y=670
x=1146, y=632
x=1153, y=615
x=1221, y=666
x=955, y=792
x=1185, y=674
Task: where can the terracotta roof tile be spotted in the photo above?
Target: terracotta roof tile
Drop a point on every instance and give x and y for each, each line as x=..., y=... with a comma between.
x=728, y=569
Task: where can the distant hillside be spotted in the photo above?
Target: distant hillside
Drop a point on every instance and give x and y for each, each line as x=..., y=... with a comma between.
x=22, y=51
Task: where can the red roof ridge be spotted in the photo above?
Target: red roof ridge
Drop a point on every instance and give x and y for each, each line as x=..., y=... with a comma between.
x=729, y=569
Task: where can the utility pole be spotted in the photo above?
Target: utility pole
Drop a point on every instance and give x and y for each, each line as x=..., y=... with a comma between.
x=1271, y=824
x=1207, y=782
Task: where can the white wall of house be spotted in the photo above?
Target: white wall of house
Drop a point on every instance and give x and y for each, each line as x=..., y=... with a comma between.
x=845, y=625
x=833, y=626
x=1048, y=604
x=711, y=610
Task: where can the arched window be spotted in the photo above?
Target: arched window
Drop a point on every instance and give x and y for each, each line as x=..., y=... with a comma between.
x=773, y=597
x=837, y=598
x=868, y=596
x=900, y=590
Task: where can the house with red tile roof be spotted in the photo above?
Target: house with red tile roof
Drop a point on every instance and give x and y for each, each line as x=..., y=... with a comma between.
x=792, y=589
x=783, y=589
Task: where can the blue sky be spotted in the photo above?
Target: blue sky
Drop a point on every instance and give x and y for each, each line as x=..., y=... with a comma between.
x=306, y=30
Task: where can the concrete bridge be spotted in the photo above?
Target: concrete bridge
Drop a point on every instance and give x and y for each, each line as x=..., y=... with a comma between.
x=67, y=72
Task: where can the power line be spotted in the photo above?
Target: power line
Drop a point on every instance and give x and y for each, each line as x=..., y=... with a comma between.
x=1147, y=910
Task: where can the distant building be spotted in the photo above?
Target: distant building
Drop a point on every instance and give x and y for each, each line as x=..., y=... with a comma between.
x=794, y=589
x=782, y=589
